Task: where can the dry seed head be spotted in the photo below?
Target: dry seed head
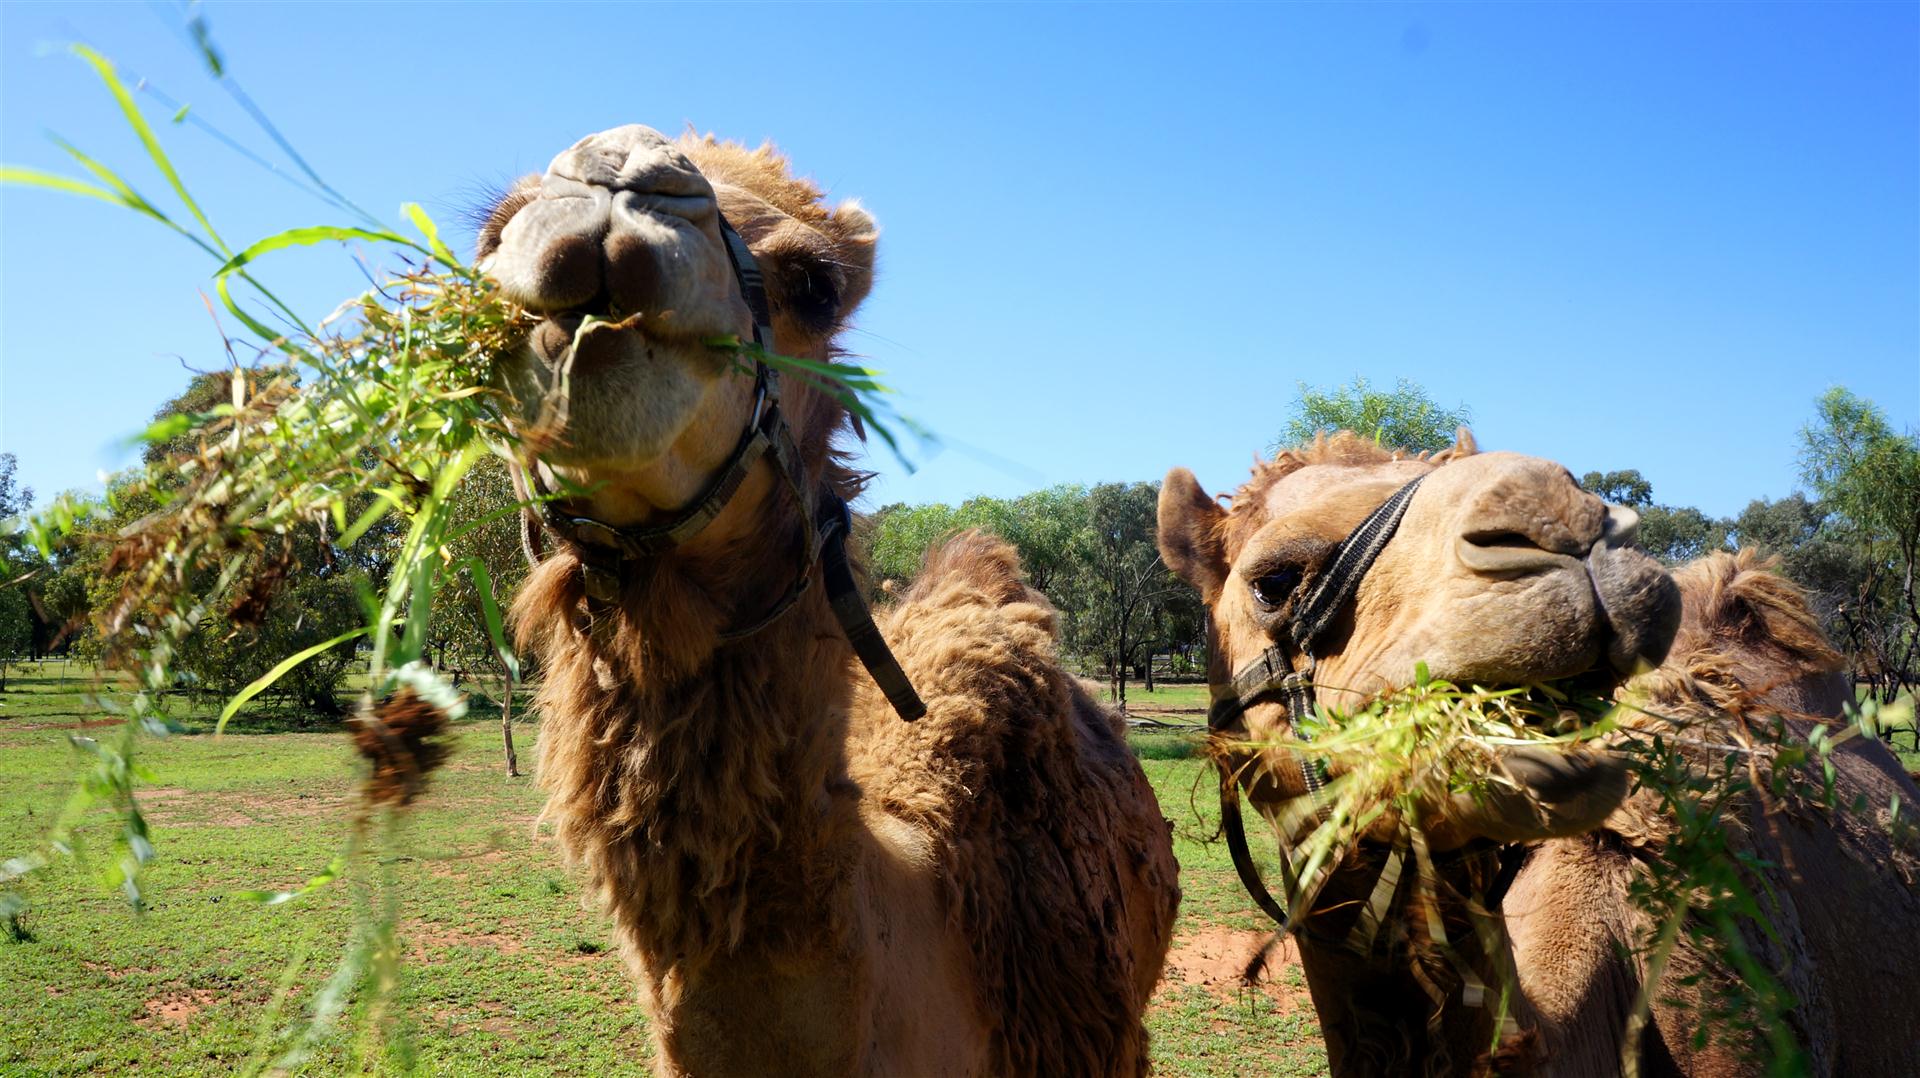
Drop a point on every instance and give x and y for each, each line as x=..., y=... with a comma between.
x=400, y=737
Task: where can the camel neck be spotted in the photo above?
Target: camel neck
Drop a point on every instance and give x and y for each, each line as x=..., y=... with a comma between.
x=695, y=777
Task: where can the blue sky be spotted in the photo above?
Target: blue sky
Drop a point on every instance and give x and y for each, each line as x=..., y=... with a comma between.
x=1115, y=238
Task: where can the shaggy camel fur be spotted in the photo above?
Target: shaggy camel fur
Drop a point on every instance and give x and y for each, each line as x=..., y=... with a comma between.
x=1841, y=893
x=801, y=882
x=1493, y=578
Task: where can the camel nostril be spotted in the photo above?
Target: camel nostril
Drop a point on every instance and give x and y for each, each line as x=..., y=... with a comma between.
x=1510, y=539
x=1504, y=551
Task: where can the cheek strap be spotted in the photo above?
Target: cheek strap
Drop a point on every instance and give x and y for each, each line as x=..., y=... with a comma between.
x=1271, y=674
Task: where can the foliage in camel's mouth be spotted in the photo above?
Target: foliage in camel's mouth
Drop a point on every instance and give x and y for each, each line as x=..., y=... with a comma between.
x=1433, y=740
x=1419, y=745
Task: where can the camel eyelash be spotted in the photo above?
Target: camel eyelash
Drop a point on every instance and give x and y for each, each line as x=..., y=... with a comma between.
x=510, y=203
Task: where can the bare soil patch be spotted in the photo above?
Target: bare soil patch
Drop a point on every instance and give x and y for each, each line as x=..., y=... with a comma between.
x=89, y=724
x=498, y=1021
x=176, y=1009
x=1220, y=959
x=179, y=807
x=423, y=938
x=114, y=973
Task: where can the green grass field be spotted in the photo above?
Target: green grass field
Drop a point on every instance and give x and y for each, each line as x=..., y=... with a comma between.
x=504, y=970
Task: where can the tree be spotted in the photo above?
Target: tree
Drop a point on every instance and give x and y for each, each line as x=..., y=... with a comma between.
x=298, y=590
x=1868, y=478
x=1627, y=487
x=1405, y=417
x=1679, y=534
x=18, y=565
x=1044, y=525
x=488, y=522
x=1125, y=579
x=897, y=537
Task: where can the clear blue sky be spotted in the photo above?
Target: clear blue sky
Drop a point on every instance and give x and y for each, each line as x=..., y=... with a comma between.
x=1115, y=238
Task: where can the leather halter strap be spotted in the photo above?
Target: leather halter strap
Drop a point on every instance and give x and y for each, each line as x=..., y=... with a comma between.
x=1272, y=674
x=826, y=522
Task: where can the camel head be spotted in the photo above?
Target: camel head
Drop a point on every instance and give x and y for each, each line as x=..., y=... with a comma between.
x=626, y=386
x=1502, y=572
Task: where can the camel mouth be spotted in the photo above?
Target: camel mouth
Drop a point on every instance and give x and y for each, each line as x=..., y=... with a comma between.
x=1553, y=705
x=1568, y=703
x=598, y=394
x=578, y=340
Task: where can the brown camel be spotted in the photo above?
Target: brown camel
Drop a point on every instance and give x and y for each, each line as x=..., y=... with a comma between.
x=1502, y=572
x=800, y=880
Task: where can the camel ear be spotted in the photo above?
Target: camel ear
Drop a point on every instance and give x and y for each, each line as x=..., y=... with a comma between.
x=1463, y=446
x=1190, y=522
x=856, y=234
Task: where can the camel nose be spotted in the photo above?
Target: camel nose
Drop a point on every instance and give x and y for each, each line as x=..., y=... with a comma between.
x=1622, y=526
x=1508, y=551
x=1528, y=516
x=1638, y=600
x=622, y=224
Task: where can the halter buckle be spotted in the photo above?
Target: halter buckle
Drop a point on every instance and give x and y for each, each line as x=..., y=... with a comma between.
x=595, y=532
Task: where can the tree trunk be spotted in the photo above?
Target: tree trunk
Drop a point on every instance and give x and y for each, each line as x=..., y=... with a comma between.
x=506, y=728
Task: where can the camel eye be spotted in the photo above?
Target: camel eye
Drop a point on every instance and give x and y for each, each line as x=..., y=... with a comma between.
x=1273, y=588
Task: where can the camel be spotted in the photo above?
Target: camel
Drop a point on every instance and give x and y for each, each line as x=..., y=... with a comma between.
x=800, y=880
x=1502, y=572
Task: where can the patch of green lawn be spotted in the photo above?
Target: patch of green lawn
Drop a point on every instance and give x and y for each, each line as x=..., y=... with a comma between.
x=504, y=971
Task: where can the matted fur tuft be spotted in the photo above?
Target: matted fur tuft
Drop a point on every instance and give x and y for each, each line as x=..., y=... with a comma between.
x=1343, y=448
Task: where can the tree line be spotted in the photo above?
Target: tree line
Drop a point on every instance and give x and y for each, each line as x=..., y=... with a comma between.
x=1851, y=538
x=314, y=583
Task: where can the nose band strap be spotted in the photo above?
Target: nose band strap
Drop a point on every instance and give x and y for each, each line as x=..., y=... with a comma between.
x=1341, y=579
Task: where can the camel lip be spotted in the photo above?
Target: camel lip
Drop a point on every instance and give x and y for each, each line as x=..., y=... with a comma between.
x=561, y=336
x=1498, y=555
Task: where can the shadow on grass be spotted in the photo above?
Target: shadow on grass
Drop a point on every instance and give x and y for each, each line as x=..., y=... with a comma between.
x=1167, y=744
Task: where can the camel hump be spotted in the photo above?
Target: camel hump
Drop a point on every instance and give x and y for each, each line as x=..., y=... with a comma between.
x=978, y=561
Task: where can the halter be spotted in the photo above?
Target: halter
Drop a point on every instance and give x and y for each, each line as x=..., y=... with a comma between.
x=1272, y=674
x=606, y=549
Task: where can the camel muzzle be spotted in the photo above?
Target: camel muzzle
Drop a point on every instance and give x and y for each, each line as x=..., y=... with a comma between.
x=1638, y=601
x=623, y=225
x=604, y=549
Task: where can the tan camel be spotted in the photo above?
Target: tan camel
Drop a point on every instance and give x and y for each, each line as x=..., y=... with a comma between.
x=1504, y=572
x=802, y=882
